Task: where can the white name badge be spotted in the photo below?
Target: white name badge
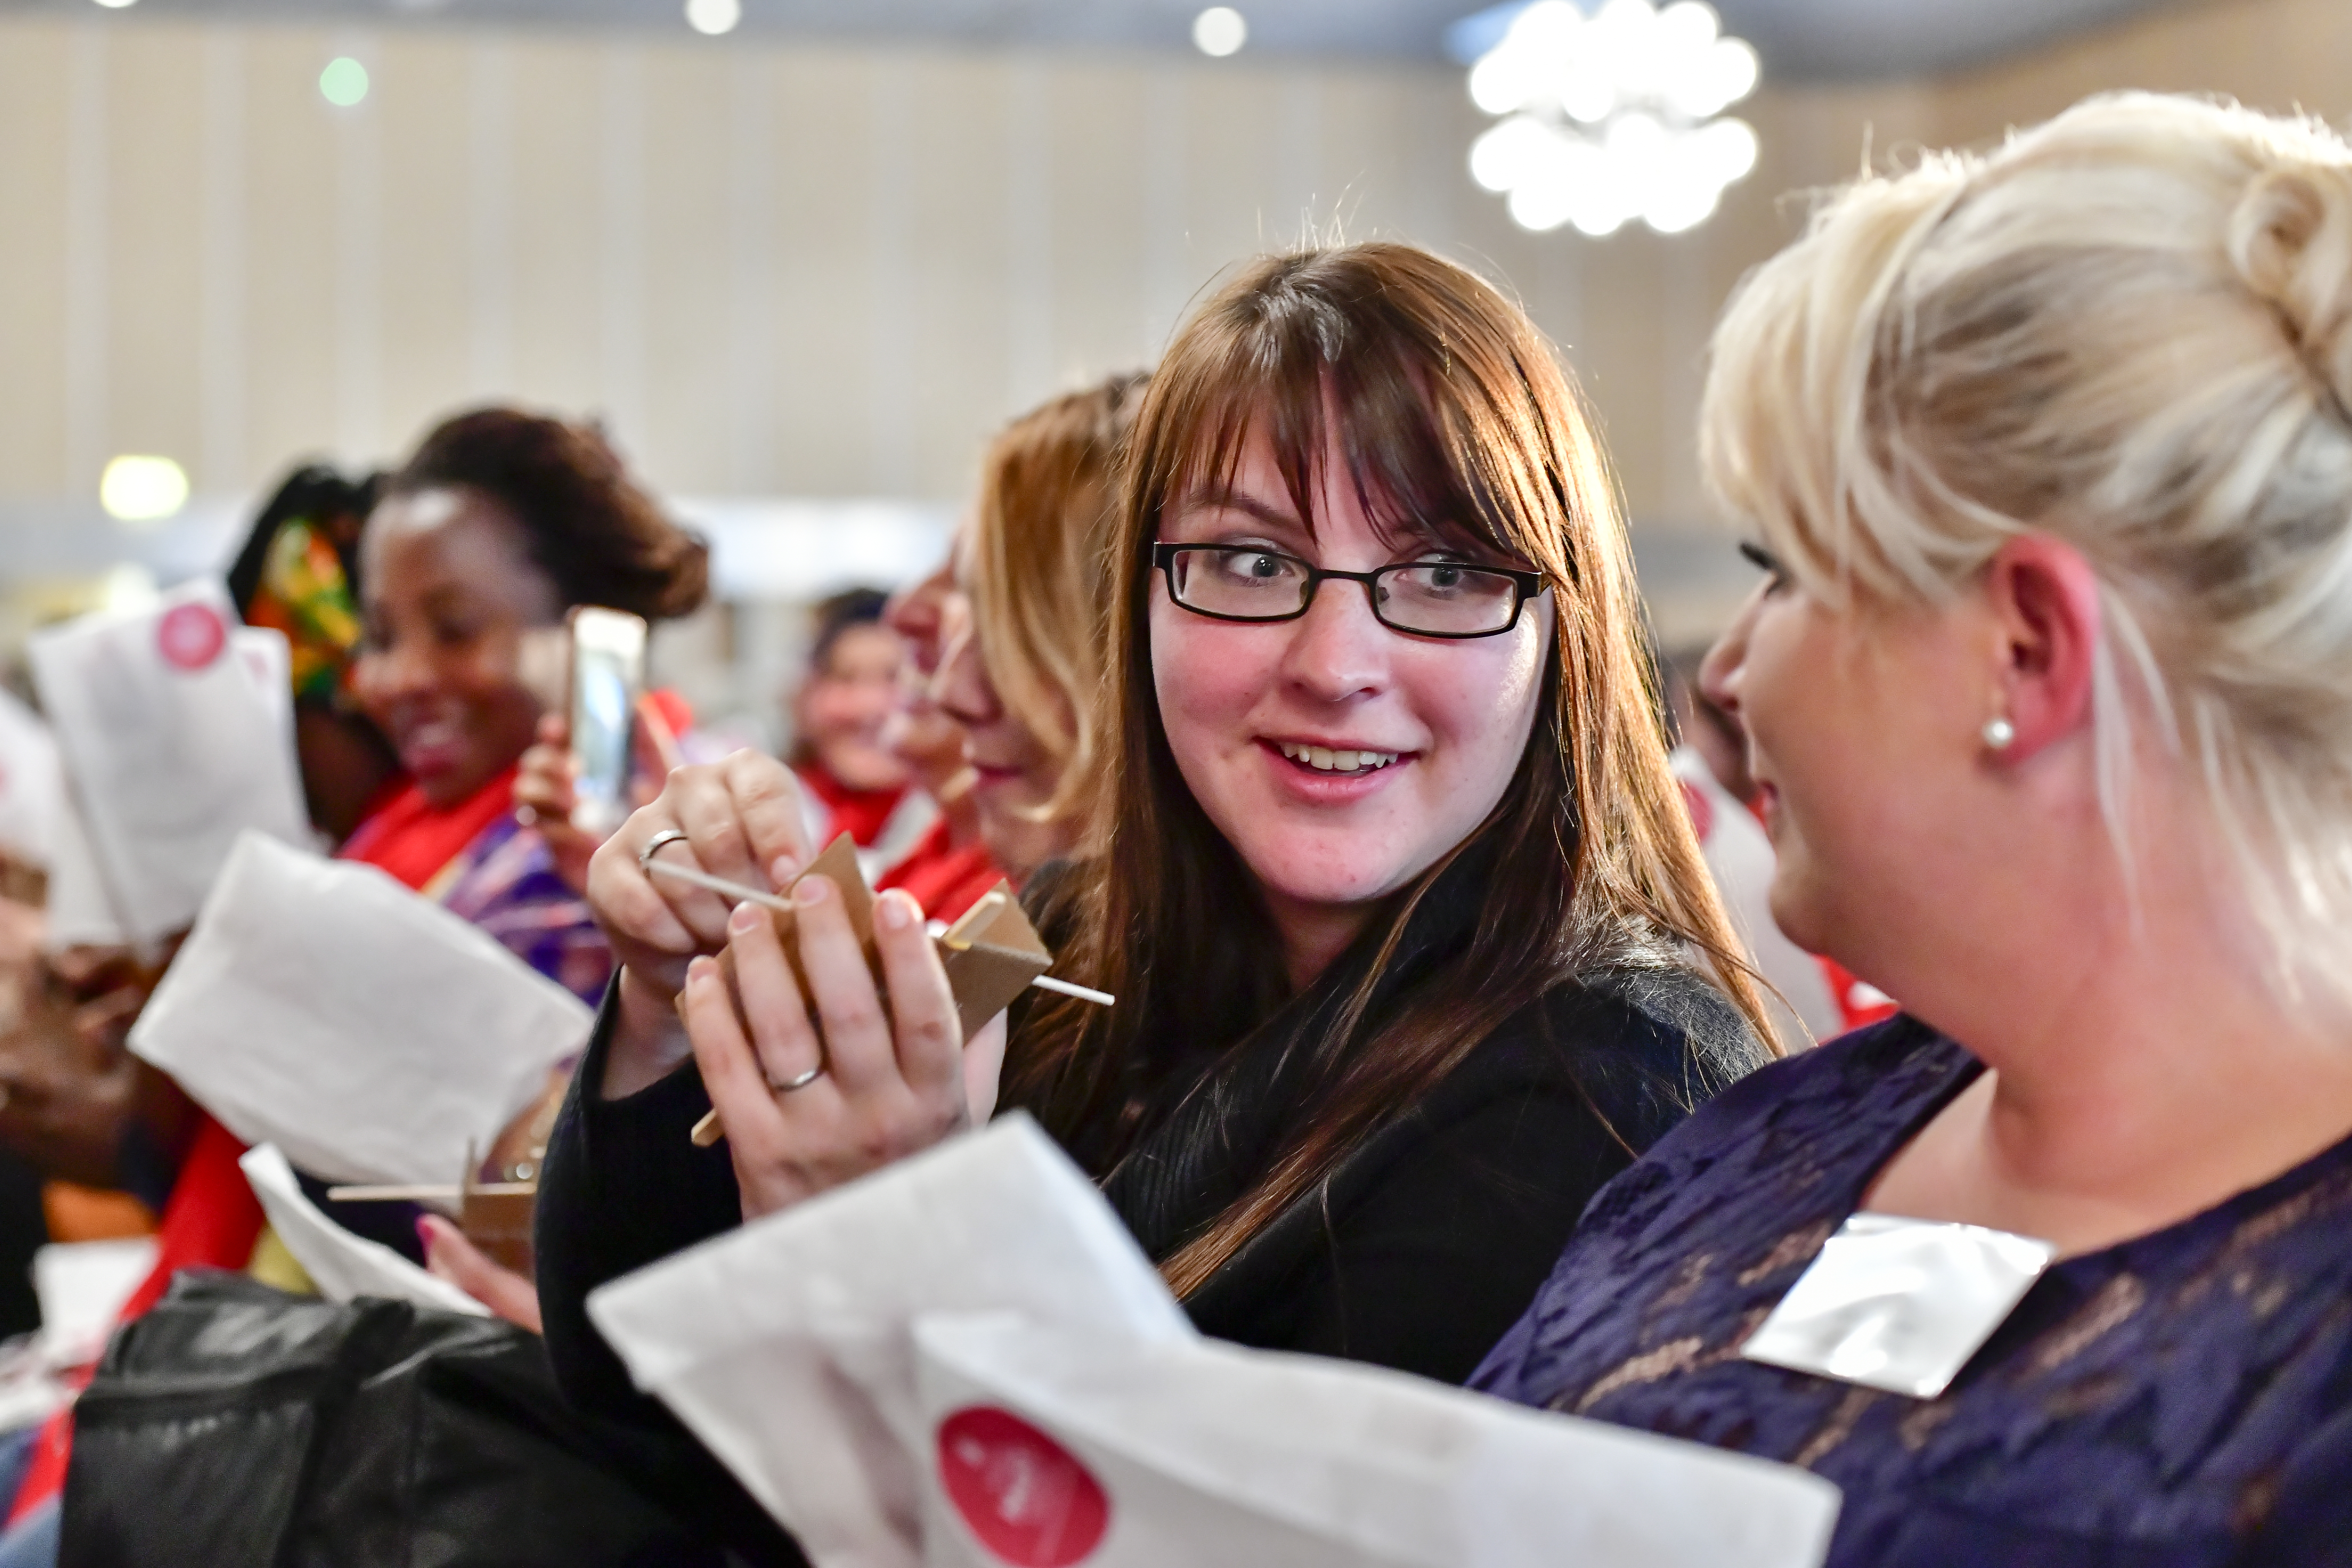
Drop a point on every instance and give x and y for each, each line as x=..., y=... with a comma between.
x=1899, y=1304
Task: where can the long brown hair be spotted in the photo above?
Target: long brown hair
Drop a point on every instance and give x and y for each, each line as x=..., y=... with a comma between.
x=1039, y=570
x=1450, y=413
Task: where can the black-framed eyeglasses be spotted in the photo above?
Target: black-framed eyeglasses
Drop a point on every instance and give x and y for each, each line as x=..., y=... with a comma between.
x=1419, y=598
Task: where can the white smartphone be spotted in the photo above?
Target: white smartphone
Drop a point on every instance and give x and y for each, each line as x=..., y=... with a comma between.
x=608, y=675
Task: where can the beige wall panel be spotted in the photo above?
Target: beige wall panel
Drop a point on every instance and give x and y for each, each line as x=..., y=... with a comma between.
x=295, y=163
x=1101, y=222
x=1235, y=203
x=154, y=296
x=556, y=220
x=36, y=78
x=686, y=435
x=2278, y=55
x=953, y=382
x=826, y=202
x=423, y=104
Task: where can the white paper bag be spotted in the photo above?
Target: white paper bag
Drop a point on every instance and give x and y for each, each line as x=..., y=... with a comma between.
x=177, y=737
x=343, y=1266
x=368, y=1032
x=1056, y=1447
x=32, y=783
x=787, y=1345
x=972, y=1336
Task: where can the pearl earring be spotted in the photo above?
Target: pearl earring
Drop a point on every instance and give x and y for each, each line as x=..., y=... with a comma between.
x=1998, y=734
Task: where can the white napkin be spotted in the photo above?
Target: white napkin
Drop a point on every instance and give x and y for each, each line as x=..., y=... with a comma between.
x=787, y=1345
x=32, y=783
x=343, y=1266
x=1075, y=1446
x=176, y=725
x=971, y=1342
x=367, y=1032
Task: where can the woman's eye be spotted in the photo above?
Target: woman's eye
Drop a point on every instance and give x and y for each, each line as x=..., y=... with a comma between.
x=1256, y=565
x=1764, y=561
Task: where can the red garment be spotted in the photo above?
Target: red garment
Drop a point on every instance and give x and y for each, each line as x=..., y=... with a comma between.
x=412, y=838
x=944, y=879
x=860, y=812
x=213, y=1220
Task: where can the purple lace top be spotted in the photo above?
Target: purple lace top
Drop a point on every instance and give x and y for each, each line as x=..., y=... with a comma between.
x=505, y=881
x=2181, y=1400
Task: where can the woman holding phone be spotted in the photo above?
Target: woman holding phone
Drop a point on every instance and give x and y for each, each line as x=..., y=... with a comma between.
x=2045, y=688
x=1396, y=892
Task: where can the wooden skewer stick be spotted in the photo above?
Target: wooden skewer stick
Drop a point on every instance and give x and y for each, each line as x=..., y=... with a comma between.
x=697, y=877
x=443, y=1193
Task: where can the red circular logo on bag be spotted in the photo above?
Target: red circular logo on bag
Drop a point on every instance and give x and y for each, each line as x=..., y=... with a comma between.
x=1030, y=1502
x=191, y=637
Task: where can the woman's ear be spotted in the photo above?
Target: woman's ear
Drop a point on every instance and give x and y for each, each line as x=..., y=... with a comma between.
x=2044, y=601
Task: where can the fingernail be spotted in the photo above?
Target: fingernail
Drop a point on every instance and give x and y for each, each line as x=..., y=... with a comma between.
x=702, y=969
x=746, y=916
x=781, y=873
x=810, y=892
x=895, y=911
x=425, y=1231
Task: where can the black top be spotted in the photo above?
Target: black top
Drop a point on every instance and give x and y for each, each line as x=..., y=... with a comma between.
x=1418, y=1251
x=2180, y=1400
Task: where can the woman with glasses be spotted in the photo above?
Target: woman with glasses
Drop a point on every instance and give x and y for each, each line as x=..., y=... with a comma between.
x=1412, y=945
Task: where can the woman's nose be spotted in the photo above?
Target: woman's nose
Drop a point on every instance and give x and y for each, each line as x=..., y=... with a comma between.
x=1338, y=649
x=1719, y=673
x=961, y=686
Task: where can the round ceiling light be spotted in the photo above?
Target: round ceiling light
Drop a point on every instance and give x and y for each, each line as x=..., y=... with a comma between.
x=1220, y=31
x=1613, y=118
x=344, y=82
x=142, y=489
x=713, y=18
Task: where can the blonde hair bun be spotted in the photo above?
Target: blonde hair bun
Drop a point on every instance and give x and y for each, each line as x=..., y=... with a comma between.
x=2290, y=242
x=2127, y=328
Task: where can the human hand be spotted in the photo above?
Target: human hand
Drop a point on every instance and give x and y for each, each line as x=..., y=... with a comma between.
x=743, y=821
x=449, y=1255
x=544, y=797
x=809, y=1102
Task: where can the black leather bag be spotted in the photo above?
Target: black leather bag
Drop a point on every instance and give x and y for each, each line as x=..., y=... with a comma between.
x=238, y=1427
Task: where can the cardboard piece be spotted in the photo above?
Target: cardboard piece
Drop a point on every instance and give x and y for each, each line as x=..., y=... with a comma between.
x=964, y=1361
x=368, y=1032
x=177, y=727
x=991, y=955
x=343, y=1266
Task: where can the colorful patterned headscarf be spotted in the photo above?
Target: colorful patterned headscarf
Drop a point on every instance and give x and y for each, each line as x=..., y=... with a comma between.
x=298, y=574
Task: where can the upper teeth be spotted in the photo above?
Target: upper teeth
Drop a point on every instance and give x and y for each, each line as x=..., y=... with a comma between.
x=1325, y=760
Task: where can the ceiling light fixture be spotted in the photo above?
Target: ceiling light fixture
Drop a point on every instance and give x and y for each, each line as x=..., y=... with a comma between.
x=344, y=82
x=117, y=4
x=1220, y=31
x=142, y=489
x=713, y=18
x=1612, y=118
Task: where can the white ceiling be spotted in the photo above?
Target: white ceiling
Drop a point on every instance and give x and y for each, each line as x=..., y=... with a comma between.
x=1800, y=40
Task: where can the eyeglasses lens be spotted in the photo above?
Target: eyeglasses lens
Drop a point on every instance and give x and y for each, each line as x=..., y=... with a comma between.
x=1435, y=597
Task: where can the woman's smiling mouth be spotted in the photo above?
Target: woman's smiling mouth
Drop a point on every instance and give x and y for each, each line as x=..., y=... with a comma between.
x=1349, y=762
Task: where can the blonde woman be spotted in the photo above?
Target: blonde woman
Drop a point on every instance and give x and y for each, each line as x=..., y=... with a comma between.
x=2050, y=691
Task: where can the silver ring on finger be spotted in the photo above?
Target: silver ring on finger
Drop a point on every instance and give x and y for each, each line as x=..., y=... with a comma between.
x=799, y=1080
x=658, y=842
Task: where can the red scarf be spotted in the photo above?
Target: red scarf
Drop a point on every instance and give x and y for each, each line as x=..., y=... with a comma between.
x=944, y=879
x=860, y=812
x=213, y=1219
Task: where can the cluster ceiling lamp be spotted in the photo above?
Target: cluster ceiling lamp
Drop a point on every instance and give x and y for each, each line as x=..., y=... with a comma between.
x=1612, y=117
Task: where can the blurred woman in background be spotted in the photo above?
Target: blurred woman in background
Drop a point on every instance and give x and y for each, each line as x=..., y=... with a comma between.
x=500, y=522
x=853, y=782
x=2051, y=456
